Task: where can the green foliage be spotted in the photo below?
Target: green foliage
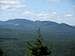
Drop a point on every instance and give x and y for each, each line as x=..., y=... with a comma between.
x=1, y=52
x=38, y=48
x=13, y=47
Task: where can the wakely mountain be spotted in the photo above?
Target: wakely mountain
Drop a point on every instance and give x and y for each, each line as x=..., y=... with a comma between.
x=14, y=34
x=26, y=29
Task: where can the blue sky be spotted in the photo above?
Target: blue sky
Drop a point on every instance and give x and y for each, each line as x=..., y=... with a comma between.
x=60, y=11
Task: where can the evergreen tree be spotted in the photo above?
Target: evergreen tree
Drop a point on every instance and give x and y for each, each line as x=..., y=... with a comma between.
x=1, y=52
x=38, y=48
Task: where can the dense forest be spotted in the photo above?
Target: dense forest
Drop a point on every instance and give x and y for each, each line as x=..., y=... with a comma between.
x=57, y=39
x=17, y=47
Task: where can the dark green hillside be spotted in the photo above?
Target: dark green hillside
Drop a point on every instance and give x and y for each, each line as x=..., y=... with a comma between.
x=60, y=38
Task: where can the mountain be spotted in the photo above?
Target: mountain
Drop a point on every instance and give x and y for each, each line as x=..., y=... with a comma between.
x=49, y=30
x=14, y=34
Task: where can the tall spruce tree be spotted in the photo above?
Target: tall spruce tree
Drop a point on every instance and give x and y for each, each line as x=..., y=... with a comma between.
x=1, y=52
x=38, y=48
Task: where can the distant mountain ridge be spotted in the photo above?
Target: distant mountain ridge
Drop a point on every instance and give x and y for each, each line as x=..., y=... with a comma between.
x=24, y=21
x=26, y=27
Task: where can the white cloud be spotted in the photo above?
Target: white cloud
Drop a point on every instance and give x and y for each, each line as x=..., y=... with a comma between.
x=68, y=15
x=54, y=12
x=28, y=13
x=9, y=1
x=12, y=4
x=40, y=16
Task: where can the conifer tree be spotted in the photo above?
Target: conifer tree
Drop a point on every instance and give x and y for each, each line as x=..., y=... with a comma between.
x=1, y=52
x=38, y=48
